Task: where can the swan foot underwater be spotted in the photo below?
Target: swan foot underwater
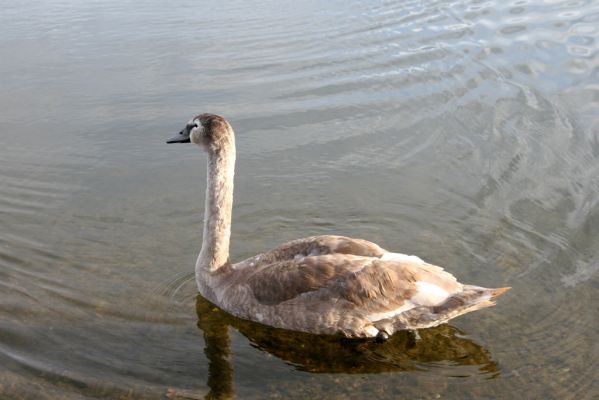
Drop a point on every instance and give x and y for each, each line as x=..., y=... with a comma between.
x=321, y=284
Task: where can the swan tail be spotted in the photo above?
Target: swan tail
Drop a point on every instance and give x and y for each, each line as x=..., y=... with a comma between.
x=471, y=298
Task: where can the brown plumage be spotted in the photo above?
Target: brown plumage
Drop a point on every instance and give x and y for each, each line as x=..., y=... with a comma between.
x=321, y=284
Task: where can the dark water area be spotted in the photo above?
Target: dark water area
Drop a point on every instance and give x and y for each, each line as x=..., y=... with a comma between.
x=465, y=132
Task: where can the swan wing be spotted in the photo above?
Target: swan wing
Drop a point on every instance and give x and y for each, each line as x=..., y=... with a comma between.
x=373, y=288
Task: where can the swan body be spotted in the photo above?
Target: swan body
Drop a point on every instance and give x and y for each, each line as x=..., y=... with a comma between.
x=320, y=284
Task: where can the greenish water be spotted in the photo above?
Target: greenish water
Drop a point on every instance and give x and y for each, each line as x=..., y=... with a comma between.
x=464, y=132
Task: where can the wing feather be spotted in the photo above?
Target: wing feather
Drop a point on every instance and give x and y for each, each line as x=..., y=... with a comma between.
x=288, y=279
x=321, y=245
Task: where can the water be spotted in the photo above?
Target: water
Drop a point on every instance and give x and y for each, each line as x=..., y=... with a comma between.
x=462, y=131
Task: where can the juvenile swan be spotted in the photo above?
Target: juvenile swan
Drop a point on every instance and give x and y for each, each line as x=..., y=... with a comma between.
x=320, y=284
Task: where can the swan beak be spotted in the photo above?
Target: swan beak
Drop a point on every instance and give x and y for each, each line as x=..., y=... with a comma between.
x=181, y=137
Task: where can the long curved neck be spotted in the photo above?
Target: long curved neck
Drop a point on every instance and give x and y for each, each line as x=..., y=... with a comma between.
x=219, y=206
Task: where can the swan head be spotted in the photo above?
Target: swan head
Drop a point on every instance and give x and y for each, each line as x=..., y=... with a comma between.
x=210, y=131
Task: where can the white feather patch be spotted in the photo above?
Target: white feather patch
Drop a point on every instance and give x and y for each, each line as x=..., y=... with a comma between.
x=429, y=294
x=400, y=257
x=372, y=331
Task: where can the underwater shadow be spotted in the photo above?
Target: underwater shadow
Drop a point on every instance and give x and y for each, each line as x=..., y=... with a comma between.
x=404, y=351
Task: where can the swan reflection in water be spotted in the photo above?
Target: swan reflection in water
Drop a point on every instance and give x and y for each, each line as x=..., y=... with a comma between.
x=404, y=351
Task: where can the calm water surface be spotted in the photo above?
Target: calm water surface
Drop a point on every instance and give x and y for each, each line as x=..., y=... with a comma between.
x=466, y=132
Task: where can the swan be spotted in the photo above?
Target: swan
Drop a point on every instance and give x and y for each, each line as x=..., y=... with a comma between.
x=331, y=285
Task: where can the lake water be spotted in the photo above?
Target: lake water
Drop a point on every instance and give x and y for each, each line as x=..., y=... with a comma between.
x=466, y=132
